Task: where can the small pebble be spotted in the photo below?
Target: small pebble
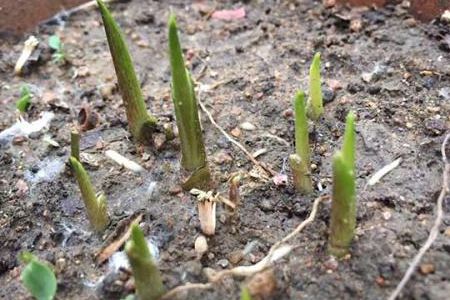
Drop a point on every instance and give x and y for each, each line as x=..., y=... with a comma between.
x=223, y=263
x=427, y=268
x=248, y=126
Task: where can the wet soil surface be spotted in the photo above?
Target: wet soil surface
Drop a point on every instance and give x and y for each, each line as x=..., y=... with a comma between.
x=392, y=72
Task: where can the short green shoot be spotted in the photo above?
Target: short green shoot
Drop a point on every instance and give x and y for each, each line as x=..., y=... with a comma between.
x=148, y=280
x=38, y=277
x=186, y=112
x=142, y=125
x=245, y=295
x=343, y=208
x=59, y=55
x=300, y=161
x=315, y=104
x=24, y=101
x=95, y=203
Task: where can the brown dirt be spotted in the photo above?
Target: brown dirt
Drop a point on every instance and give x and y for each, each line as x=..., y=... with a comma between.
x=394, y=76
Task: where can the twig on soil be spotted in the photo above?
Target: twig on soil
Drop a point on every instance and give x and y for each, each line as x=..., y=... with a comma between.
x=434, y=230
x=269, y=171
x=277, y=251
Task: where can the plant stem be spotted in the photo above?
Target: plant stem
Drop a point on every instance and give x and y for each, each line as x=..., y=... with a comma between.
x=300, y=161
x=141, y=124
x=75, y=145
x=95, y=204
x=343, y=208
x=315, y=104
x=149, y=285
x=186, y=112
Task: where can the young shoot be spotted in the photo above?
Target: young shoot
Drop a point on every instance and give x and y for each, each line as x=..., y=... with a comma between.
x=192, y=147
x=343, y=207
x=300, y=161
x=245, y=294
x=24, y=101
x=148, y=280
x=95, y=203
x=141, y=124
x=315, y=105
x=37, y=277
x=59, y=55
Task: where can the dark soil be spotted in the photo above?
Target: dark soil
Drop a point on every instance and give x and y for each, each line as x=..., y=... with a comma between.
x=394, y=75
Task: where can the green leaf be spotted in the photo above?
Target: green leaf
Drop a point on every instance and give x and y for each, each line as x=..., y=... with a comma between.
x=38, y=278
x=24, y=102
x=54, y=42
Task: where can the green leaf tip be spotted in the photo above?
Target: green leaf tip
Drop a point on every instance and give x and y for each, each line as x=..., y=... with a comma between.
x=193, y=154
x=38, y=278
x=141, y=124
x=348, y=145
x=95, y=203
x=315, y=102
x=24, y=101
x=147, y=277
x=343, y=208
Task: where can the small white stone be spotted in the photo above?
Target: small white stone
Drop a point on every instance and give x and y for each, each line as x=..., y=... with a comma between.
x=248, y=126
x=200, y=245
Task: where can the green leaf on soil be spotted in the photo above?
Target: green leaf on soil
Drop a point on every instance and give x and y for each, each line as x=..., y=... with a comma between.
x=38, y=278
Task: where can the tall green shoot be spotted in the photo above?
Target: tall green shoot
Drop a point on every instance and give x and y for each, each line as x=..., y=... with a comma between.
x=95, y=203
x=141, y=124
x=315, y=104
x=343, y=208
x=186, y=112
x=148, y=280
x=300, y=161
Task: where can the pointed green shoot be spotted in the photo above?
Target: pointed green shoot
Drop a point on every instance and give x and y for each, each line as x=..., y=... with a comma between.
x=95, y=204
x=315, y=104
x=37, y=277
x=300, y=161
x=245, y=295
x=343, y=208
x=186, y=112
x=140, y=122
x=148, y=280
x=24, y=102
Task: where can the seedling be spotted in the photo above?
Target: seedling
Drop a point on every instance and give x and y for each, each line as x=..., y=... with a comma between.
x=75, y=145
x=142, y=125
x=186, y=112
x=95, y=203
x=24, y=101
x=300, y=161
x=315, y=104
x=146, y=276
x=59, y=56
x=38, y=277
x=343, y=208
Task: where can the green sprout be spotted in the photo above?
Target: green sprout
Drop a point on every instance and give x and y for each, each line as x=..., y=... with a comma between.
x=300, y=161
x=343, y=207
x=315, y=105
x=186, y=113
x=245, y=294
x=75, y=145
x=142, y=125
x=38, y=277
x=95, y=203
x=24, y=101
x=59, y=56
x=148, y=280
